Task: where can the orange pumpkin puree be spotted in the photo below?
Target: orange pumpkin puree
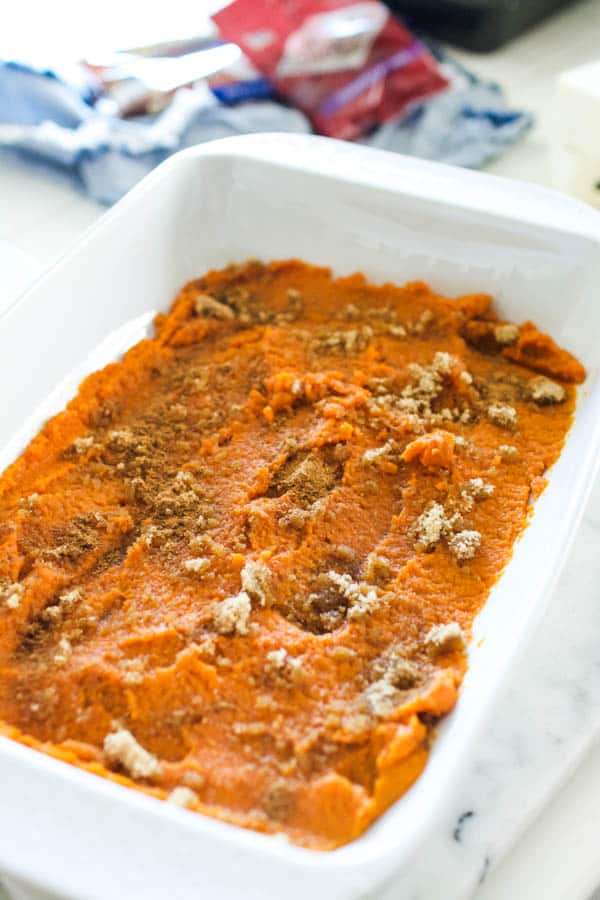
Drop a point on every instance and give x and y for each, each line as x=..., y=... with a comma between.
x=239, y=570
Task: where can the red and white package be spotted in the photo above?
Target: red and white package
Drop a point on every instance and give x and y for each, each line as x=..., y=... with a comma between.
x=348, y=66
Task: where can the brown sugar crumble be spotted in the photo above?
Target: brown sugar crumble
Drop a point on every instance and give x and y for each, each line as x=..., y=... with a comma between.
x=183, y=796
x=502, y=414
x=445, y=638
x=239, y=572
x=121, y=747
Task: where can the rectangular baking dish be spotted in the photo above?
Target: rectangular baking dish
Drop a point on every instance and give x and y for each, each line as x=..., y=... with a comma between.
x=394, y=218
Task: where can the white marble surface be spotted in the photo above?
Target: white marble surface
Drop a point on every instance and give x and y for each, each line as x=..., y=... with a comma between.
x=547, y=724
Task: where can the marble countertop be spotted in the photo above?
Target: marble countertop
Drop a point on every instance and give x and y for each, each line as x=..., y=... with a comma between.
x=507, y=841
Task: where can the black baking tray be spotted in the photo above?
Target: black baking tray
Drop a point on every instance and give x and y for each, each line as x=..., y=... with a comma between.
x=480, y=25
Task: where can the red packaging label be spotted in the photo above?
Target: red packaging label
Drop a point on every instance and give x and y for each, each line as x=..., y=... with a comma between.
x=348, y=66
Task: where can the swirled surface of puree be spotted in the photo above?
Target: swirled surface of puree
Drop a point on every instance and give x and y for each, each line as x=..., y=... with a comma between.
x=240, y=569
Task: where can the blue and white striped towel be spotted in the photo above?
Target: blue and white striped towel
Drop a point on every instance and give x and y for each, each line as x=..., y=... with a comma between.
x=50, y=113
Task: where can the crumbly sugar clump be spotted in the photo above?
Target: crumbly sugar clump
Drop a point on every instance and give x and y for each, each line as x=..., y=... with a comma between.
x=182, y=796
x=502, y=414
x=12, y=595
x=232, y=615
x=464, y=544
x=363, y=598
x=506, y=333
x=206, y=305
x=256, y=581
x=445, y=638
x=544, y=390
x=121, y=747
x=197, y=565
x=430, y=526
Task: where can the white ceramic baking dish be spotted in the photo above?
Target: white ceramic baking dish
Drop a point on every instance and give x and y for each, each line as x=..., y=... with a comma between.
x=394, y=218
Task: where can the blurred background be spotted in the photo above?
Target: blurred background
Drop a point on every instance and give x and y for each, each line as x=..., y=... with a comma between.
x=96, y=95
x=93, y=96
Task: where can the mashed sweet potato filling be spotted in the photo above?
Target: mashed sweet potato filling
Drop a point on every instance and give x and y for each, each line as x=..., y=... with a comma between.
x=240, y=569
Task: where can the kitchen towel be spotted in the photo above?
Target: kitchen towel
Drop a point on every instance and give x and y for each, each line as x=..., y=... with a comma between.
x=50, y=113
